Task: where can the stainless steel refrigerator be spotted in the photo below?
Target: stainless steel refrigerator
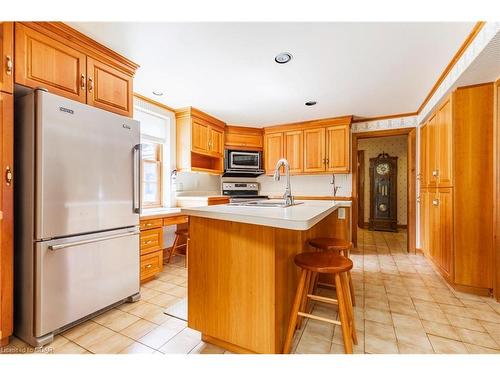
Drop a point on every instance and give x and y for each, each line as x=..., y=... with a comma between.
x=77, y=213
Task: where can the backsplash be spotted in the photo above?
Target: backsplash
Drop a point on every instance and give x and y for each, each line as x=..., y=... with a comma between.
x=188, y=183
x=301, y=184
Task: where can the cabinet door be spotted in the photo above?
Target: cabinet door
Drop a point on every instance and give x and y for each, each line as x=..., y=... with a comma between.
x=434, y=231
x=314, y=150
x=444, y=159
x=200, y=133
x=6, y=217
x=432, y=151
x=445, y=206
x=337, y=149
x=424, y=146
x=216, y=141
x=109, y=88
x=44, y=62
x=294, y=150
x=424, y=221
x=7, y=56
x=273, y=151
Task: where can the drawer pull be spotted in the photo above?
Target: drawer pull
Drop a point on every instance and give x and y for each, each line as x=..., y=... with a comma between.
x=148, y=242
x=149, y=266
x=148, y=224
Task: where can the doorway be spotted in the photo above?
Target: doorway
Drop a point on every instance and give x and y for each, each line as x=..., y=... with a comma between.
x=366, y=146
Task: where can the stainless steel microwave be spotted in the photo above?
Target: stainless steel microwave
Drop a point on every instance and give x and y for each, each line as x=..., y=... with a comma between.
x=246, y=163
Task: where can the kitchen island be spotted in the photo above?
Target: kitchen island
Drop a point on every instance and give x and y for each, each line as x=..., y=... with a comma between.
x=241, y=274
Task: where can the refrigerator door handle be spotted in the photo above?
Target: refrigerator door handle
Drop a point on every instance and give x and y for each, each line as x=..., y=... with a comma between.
x=137, y=180
x=98, y=239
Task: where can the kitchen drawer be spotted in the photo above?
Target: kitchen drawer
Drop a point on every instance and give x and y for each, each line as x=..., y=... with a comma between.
x=151, y=240
x=173, y=220
x=151, y=264
x=151, y=223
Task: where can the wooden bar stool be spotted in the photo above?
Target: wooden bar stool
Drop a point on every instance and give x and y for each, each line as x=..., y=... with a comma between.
x=180, y=233
x=343, y=247
x=331, y=263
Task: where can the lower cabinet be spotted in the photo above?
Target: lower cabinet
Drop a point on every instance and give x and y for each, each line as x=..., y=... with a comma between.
x=437, y=228
x=151, y=248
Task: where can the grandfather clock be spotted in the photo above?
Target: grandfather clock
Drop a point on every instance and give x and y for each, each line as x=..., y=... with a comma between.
x=383, y=193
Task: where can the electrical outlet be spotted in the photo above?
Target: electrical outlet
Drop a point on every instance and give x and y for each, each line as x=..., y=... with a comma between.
x=341, y=213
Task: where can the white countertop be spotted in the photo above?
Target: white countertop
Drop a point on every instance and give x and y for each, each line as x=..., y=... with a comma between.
x=299, y=217
x=165, y=211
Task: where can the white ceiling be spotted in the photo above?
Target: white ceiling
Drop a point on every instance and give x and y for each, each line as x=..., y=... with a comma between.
x=228, y=69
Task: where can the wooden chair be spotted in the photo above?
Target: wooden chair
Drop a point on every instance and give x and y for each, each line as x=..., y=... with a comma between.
x=180, y=233
x=328, y=262
x=343, y=247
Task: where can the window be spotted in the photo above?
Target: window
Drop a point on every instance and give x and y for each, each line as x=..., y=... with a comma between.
x=155, y=153
x=152, y=179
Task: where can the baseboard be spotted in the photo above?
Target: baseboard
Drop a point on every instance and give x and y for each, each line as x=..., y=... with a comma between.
x=419, y=251
x=226, y=345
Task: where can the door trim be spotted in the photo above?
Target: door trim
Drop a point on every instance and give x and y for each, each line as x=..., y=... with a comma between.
x=412, y=180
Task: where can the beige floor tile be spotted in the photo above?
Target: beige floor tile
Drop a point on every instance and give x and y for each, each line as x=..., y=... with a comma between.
x=415, y=337
x=377, y=345
x=137, y=348
x=98, y=334
x=408, y=348
x=164, y=300
x=456, y=310
x=477, y=338
x=318, y=330
x=177, y=291
x=439, y=329
x=461, y=322
x=147, y=293
x=443, y=345
x=71, y=348
x=111, y=345
x=206, y=348
x=158, y=337
x=382, y=331
x=432, y=315
x=405, y=321
x=138, y=329
x=116, y=319
x=312, y=345
x=475, y=349
x=174, y=323
x=180, y=344
x=487, y=316
x=80, y=330
x=381, y=316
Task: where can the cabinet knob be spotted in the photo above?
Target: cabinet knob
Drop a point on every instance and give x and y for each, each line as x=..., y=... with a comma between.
x=435, y=173
x=435, y=202
x=8, y=175
x=9, y=64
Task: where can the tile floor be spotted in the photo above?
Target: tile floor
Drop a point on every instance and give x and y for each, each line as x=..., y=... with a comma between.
x=403, y=306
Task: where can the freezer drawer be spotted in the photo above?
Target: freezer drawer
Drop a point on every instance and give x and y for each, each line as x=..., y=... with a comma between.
x=80, y=275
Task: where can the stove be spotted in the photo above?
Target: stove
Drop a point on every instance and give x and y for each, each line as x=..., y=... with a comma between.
x=242, y=191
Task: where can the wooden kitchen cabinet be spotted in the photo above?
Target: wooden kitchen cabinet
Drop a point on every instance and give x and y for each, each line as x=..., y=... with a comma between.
x=54, y=56
x=456, y=211
x=326, y=145
x=42, y=61
x=338, y=148
x=274, y=150
x=314, y=150
x=200, y=141
x=6, y=216
x=151, y=248
x=294, y=150
x=243, y=138
x=108, y=88
x=7, y=56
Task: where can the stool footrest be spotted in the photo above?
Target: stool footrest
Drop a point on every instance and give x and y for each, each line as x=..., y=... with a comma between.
x=316, y=317
x=327, y=285
x=314, y=297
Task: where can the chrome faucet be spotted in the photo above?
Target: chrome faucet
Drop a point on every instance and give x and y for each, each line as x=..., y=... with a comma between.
x=288, y=198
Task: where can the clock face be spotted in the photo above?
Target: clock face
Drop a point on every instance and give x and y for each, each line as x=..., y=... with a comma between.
x=383, y=168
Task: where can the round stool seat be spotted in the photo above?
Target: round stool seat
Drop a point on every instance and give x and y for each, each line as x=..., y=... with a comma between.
x=328, y=243
x=182, y=232
x=323, y=262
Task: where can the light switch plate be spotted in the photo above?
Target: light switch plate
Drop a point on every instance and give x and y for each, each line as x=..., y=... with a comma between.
x=341, y=213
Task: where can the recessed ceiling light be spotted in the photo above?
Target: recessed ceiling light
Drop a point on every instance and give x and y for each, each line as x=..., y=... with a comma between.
x=158, y=92
x=311, y=102
x=283, y=57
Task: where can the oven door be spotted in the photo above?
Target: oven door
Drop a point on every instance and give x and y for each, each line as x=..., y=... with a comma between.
x=244, y=160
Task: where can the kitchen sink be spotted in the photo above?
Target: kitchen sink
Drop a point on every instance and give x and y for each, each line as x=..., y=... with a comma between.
x=264, y=203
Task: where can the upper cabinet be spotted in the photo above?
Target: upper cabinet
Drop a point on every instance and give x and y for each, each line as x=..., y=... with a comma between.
x=243, y=138
x=108, y=88
x=7, y=56
x=54, y=56
x=313, y=147
x=200, y=141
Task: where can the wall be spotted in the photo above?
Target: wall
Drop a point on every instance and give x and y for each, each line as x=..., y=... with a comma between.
x=307, y=185
x=394, y=146
x=191, y=183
